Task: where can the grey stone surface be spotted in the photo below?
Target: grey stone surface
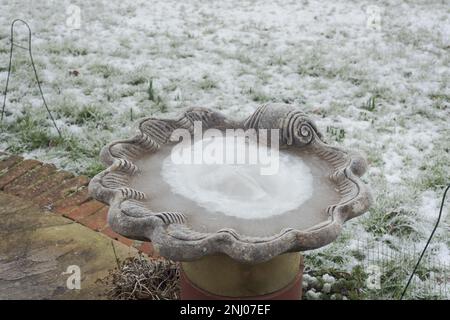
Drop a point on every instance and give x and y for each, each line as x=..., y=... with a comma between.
x=129, y=216
x=38, y=246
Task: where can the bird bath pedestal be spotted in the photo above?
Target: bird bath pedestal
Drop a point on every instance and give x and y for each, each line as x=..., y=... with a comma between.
x=237, y=230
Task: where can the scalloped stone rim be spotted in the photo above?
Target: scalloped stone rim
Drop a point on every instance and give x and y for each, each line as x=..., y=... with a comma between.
x=129, y=216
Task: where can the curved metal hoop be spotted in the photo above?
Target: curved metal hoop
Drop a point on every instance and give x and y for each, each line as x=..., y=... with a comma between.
x=34, y=69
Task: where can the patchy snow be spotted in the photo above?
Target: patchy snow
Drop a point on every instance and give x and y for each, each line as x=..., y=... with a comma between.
x=393, y=165
x=234, y=55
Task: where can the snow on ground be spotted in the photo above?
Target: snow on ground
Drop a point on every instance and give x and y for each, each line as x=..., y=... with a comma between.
x=382, y=89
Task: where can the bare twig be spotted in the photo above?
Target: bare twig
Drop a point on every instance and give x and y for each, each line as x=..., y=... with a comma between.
x=139, y=278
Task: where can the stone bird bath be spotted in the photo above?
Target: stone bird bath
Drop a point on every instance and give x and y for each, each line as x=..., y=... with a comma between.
x=224, y=253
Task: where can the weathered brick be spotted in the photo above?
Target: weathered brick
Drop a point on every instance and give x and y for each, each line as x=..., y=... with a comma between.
x=97, y=221
x=30, y=178
x=45, y=185
x=18, y=170
x=59, y=191
x=48, y=199
x=76, y=199
x=114, y=235
x=79, y=212
x=72, y=188
x=147, y=248
x=8, y=162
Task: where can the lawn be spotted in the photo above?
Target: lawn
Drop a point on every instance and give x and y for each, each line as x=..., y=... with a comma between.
x=381, y=89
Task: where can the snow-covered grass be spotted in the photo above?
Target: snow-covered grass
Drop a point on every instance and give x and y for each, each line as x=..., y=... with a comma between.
x=382, y=91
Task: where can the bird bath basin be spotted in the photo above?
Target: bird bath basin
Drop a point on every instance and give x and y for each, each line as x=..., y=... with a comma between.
x=217, y=196
x=238, y=225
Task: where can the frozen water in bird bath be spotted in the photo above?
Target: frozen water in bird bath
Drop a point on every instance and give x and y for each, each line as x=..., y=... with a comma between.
x=240, y=190
x=229, y=195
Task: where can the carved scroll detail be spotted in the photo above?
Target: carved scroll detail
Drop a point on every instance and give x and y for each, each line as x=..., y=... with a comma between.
x=298, y=129
x=295, y=126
